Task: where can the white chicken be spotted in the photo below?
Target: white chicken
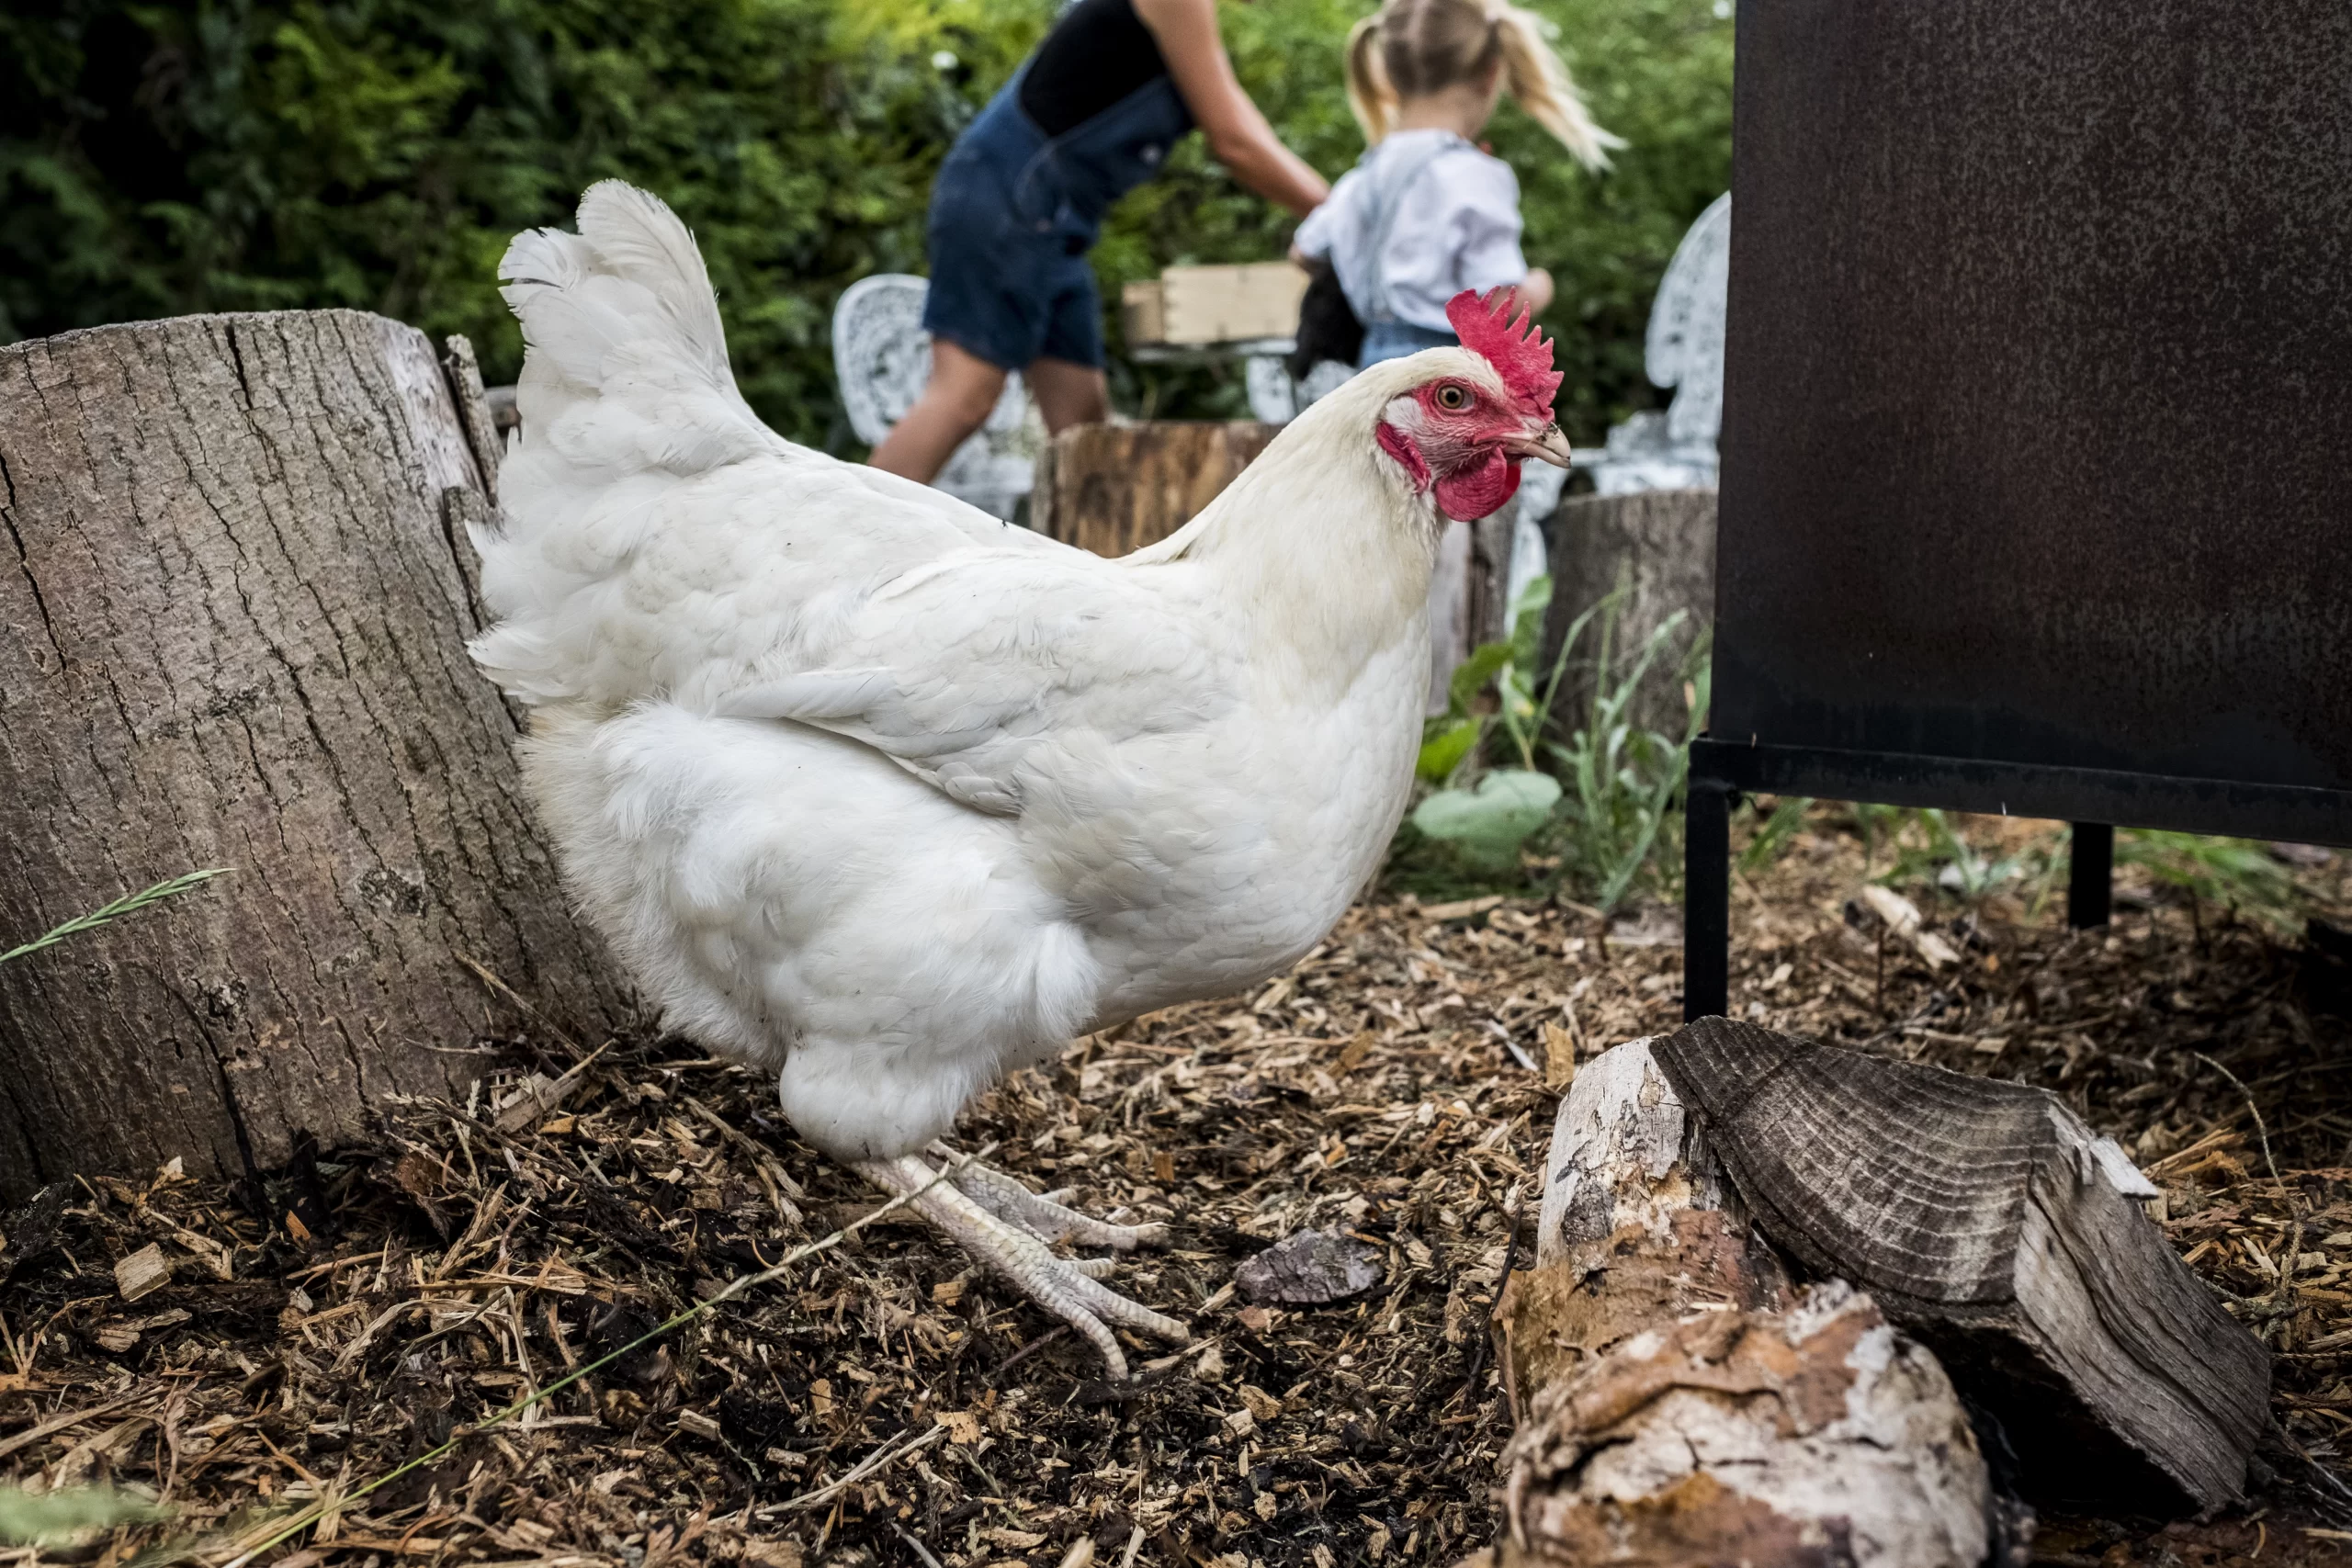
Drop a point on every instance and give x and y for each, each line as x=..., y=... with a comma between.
x=889, y=797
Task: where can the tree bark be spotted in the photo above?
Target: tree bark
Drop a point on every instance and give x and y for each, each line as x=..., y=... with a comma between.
x=1659, y=546
x=234, y=592
x=1113, y=488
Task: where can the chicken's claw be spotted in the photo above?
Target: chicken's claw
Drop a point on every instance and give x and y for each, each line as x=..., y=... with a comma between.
x=1065, y=1286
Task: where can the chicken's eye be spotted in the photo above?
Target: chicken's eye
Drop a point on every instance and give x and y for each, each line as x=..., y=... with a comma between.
x=1452, y=399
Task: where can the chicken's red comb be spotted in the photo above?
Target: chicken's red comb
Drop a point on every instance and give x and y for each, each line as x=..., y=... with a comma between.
x=1520, y=353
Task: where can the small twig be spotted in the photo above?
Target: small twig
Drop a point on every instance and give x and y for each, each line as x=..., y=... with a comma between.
x=481, y=972
x=60, y=1422
x=884, y=1455
x=2294, y=1209
x=920, y=1548
x=1510, y=1264
x=2260, y=1130
x=1028, y=1350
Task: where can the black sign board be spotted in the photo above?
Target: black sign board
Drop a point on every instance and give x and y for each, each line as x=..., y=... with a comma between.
x=2037, y=448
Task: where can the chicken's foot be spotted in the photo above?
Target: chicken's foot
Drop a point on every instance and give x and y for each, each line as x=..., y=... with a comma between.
x=1065, y=1286
x=1038, y=1214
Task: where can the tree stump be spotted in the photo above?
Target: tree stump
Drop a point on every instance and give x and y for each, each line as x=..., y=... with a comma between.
x=1113, y=488
x=233, y=599
x=1681, y=1405
x=1659, y=546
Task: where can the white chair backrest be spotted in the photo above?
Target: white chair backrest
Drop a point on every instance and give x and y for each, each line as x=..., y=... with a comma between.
x=1676, y=449
x=1685, y=349
x=882, y=359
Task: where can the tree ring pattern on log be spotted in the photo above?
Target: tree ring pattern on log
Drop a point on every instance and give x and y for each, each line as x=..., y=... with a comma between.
x=1901, y=1178
x=1987, y=1219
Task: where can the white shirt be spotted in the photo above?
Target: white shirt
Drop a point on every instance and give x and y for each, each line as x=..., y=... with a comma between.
x=1457, y=227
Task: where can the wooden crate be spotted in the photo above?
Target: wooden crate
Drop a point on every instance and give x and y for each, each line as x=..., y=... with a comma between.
x=1214, y=304
x=1143, y=314
x=1113, y=488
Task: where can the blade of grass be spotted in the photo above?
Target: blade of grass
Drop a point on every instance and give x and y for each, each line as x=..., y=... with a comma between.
x=106, y=914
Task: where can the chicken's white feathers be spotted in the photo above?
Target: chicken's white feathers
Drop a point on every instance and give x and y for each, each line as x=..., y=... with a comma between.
x=876, y=788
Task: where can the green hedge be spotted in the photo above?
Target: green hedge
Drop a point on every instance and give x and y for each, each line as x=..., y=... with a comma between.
x=257, y=154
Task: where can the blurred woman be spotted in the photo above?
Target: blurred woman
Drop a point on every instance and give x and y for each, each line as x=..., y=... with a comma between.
x=1092, y=114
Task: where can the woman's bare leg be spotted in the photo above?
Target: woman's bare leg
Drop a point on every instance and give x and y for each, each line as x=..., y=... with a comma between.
x=961, y=394
x=1068, y=394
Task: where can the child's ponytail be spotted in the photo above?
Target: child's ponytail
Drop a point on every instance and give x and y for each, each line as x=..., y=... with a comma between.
x=1533, y=74
x=1412, y=46
x=1370, y=95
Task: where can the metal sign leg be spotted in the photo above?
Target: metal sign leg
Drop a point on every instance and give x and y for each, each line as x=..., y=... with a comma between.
x=2087, y=885
x=1706, y=898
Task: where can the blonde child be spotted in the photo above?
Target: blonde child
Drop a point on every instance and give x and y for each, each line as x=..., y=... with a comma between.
x=1426, y=214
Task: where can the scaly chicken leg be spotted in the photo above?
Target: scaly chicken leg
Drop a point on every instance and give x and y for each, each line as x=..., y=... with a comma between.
x=1039, y=1214
x=1005, y=1228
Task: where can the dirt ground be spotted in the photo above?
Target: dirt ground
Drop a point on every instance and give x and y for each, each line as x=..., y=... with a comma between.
x=879, y=1402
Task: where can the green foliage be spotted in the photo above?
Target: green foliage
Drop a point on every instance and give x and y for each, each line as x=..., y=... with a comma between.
x=1607, y=816
x=265, y=154
x=1771, y=835
x=1620, y=832
x=57, y=1519
x=1493, y=691
x=1926, y=846
x=1939, y=854
x=158, y=159
x=2231, y=872
x=1496, y=685
x=129, y=903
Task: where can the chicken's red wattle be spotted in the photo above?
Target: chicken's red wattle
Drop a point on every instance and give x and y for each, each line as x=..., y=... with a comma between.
x=1469, y=493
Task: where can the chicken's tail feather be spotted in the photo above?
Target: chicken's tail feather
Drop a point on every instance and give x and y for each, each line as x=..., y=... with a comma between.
x=625, y=389
x=623, y=343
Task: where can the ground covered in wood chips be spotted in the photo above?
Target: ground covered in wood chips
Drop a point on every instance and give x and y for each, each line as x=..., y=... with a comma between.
x=877, y=1401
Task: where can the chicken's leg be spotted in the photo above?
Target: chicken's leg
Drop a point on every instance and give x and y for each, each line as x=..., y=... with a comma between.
x=1038, y=1214
x=1062, y=1286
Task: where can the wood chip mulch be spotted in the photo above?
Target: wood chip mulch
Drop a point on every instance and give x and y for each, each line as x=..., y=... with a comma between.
x=882, y=1403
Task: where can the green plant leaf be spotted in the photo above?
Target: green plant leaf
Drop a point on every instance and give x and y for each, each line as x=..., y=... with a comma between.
x=1444, y=750
x=1527, y=614
x=55, y=1518
x=1470, y=677
x=1490, y=822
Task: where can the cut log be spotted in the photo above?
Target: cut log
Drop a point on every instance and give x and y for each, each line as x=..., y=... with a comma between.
x=1113, y=488
x=1636, y=1229
x=1805, y=1438
x=1682, y=1405
x=1659, y=546
x=1988, y=1220
x=231, y=634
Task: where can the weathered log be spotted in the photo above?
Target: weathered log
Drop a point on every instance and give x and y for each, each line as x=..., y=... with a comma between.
x=232, y=629
x=1988, y=1220
x=1659, y=546
x=1636, y=1229
x=1683, y=1406
x=1113, y=488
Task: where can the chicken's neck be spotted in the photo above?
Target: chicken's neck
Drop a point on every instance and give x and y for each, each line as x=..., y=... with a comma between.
x=1327, y=563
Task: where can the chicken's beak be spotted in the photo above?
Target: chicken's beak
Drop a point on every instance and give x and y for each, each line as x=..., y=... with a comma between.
x=1547, y=443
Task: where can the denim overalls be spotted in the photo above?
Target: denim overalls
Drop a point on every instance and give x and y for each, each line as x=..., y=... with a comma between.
x=1015, y=211
x=1386, y=337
